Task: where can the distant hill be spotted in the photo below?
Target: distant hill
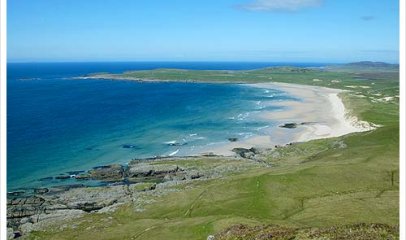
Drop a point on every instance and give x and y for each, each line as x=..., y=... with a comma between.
x=366, y=67
x=371, y=64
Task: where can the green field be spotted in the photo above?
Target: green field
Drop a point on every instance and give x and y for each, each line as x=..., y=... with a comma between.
x=319, y=184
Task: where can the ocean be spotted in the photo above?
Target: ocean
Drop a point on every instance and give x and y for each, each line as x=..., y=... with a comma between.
x=58, y=124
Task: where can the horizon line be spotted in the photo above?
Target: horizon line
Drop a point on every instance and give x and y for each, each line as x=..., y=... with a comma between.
x=200, y=61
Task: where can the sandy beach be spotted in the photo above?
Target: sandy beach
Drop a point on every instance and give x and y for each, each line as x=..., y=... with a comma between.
x=320, y=113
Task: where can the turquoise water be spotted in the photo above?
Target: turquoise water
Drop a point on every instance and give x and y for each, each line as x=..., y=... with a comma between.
x=58, y=124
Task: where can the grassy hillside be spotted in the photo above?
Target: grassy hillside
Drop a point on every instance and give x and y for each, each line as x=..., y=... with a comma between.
x=320, y=184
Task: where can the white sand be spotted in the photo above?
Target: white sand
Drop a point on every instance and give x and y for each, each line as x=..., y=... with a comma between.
x=321, y=107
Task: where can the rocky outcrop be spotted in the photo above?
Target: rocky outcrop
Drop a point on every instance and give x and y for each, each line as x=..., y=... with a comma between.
x=36, y=209
x=92, y=198
x=247, y=153
x=23, y=210
x=27, y=211
x=145, y=170
x=135, y=172
x=113, y=172
x=25, y=214
x=54, y=218
x=141, y=172
x=24, y=207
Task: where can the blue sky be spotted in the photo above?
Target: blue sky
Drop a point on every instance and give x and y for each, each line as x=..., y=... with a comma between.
x=205, y=30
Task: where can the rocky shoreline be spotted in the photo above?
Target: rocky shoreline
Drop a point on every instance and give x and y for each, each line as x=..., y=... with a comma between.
x=42, y=207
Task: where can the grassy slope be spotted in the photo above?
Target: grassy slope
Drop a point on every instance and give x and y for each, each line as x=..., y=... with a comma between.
x=313, y=184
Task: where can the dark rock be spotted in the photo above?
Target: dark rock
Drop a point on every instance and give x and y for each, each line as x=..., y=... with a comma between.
x=240, y=151
x=177, y=144
x=289, y=125
x=17, y=234
x=195, y=175
x=113, y=172
x=62, y=177
x=245, y=153
x=255, y=150
x=233, y=139
x=129, y=146
x=89, y=206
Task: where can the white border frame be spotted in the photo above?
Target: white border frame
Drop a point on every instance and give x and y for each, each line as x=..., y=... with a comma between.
x=3, y=119
x=402, y=106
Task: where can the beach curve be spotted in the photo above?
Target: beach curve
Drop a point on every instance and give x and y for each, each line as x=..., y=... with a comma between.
x=319, y=114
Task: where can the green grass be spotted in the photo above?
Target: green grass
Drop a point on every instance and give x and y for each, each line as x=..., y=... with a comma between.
x=322, y=183
x=275, y=232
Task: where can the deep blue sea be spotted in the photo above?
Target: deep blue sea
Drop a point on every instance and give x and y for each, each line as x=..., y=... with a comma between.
x=58, y=124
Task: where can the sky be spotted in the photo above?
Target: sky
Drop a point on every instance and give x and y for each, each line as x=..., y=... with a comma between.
x=332, y=31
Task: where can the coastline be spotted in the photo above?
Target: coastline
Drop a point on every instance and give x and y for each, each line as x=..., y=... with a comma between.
x=319, y=114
